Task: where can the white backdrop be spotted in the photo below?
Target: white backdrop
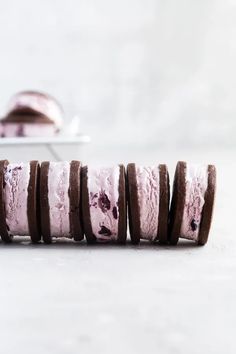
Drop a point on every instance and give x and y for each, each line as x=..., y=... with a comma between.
x=157, y=71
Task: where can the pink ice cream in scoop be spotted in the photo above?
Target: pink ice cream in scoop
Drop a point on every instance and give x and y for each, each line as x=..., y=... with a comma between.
x=15, y=193
x=38, y=102
x=31, y=114
x=196, y=186
x=148, y=188
x=58, y=197
x=103, y=189
x=26, y=129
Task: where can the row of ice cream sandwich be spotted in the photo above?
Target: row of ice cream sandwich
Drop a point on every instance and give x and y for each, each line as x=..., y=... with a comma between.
x=63, y=199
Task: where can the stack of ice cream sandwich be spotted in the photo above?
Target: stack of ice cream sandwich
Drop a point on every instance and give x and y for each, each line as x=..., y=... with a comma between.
x=63, y=199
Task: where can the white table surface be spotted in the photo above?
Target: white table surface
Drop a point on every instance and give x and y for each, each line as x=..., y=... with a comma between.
x=74, y=298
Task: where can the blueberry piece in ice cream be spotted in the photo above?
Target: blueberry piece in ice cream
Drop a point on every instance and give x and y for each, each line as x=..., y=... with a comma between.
x=104, y=202
x=104, y=231
x=194, y=225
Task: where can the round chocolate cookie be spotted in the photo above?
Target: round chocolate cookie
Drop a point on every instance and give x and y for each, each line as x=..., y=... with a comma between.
x=104, y=204
x=26, y=115
x=60, y=200
x=74, y=194
x=33, y=204
x=44, y=204
x=19, y=209
x=164, y=201
x=148, y=202
x=192, y=202
x=177, y=203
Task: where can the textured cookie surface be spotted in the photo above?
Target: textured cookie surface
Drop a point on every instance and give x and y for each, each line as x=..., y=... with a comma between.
x=163, y=204
x=33, y=206
x=74, y=194
x=177, y=202
x=133, y=206
x=44, y=203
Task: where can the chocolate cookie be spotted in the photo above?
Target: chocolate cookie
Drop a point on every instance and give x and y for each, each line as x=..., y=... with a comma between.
x=74, y=194
x=33, y=204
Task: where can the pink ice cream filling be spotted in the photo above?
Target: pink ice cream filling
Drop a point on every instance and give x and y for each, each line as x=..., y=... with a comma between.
x=196, y=186
x=148, y=188
x=103, y=189
x=26, y=129
x=38, y=102
x=58, y=198
x=16, y=178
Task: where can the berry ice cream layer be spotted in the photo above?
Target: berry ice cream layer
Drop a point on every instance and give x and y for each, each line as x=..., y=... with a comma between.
x=148, y=188
x=37, y=102
x=196, y=186
x=10, y=130
x=103, y=189
x=16, y=178
x=58, y=198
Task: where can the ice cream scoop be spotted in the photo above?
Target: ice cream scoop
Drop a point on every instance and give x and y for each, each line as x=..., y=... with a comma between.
x=31, y=113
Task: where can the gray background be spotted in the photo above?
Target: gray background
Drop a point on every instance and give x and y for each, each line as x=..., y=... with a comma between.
x=135, y=71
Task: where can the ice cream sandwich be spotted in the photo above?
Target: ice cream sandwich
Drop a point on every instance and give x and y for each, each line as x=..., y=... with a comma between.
x=192, y=202
x=104, y=204
x=60, y=200
x=19, y=208
x=31, y=114
x=148, y=202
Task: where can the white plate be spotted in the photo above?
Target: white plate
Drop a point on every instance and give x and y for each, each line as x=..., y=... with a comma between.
x=59, y=139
